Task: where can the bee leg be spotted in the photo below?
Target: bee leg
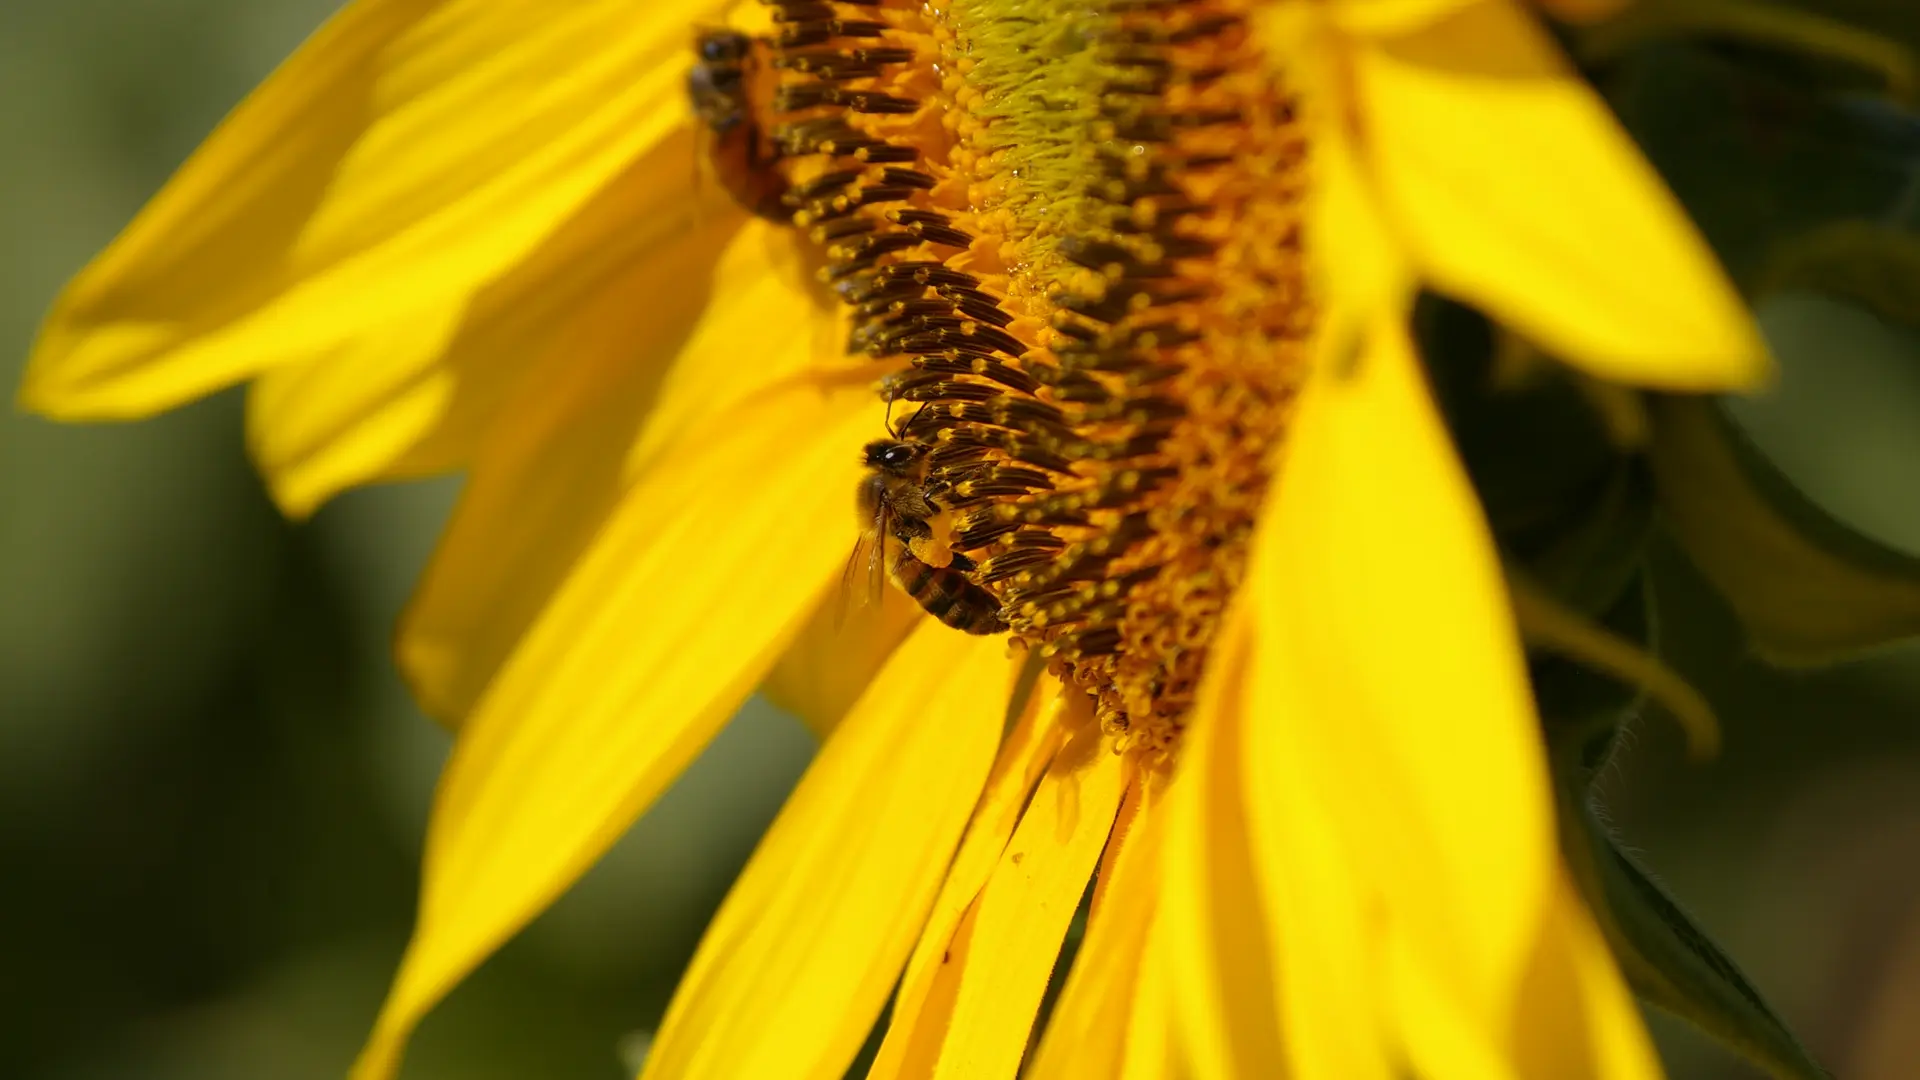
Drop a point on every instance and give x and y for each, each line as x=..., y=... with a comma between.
x=963, y=564
x=914, y=505
x=911, y=530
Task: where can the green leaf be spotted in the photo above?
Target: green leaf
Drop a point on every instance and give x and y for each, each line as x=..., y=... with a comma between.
x=1872, y=266
x=1806, y=588
x=1667, y=959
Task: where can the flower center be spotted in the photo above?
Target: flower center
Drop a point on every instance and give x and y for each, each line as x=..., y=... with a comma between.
x=1080, y=224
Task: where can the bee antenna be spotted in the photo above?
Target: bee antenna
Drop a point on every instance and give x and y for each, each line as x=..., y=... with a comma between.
x=890, y=428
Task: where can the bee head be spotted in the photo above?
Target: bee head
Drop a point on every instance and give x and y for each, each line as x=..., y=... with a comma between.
x=723, y=46
x=893, y=455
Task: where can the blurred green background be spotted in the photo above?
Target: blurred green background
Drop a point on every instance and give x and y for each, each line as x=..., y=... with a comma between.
x=212, y=786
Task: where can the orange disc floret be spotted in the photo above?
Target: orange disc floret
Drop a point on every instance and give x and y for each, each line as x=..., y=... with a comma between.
x=1083, y=233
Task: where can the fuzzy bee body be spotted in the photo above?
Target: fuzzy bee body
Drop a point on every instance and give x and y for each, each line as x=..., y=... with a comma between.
x=895, y=509
x=736, y=148
x=945, y=593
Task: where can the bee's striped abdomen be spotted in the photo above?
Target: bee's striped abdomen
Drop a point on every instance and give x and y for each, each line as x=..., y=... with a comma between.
x=947, y=595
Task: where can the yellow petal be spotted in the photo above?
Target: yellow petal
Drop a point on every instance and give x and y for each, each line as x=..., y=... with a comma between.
x=1147, y=1033
x=316, y=427
x=1365, y=269
x=1091, y=1033
x=1215, y=930
x=1142, y=790
x=1025, y=755
x=663, y=628
x=1577, y=1020
x=846, y=642
x=799, y=960
x=406, y=155
x=613, y=292
x=994, y=967
x=1515, y=189
x=1394, y=780
x=1439, y=1032
x=1324, y=926
x=552, y=470
x=1390, y=16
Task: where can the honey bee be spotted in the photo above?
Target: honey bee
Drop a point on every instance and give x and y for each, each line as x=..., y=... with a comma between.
x=742, y=157
x=895, y=509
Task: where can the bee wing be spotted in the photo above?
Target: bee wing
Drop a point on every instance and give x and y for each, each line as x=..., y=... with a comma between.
x=877, y=555
x=870, y=549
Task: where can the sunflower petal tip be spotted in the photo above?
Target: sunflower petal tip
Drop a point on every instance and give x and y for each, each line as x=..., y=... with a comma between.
x=293, y=492
x=46, y=387
x=1744, y=369
x=1747, y=362
x=429, y=667
x=31, y=397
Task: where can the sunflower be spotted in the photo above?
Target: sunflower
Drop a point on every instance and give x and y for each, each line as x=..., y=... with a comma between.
x=1132, y=285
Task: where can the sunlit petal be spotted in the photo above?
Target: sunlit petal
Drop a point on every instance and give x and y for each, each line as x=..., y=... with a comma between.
x=408, y=154
x=663, y=628
x=543, y=484
x=1147, y=1032
x=1515, y=189
x=798, y=962
x=316, y=427
x=1394, y=777
x=994, y=967
x=1213, y=925
x=1090, y=1034
x=1025, y=754
x=1576, y=1018
x=1390, y=16
x=613, y=292
x=836, y=654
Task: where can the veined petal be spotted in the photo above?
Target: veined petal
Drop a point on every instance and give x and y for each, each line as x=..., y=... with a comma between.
x=1147, y=1033
x=1324, y=946
x=317, y=427
x=837, y=653
x=658, y=634
x=1089, y=1034
x=407, y=154
x=1516, y=190
x=1441, y=1036
x=1364, y=266
x=1395, y=784
x=545, y=481
x=1214, y=924
x=1024, y=756
x=800, y=958
x=614, y=291
x=987, y=991
x=1576, y=1019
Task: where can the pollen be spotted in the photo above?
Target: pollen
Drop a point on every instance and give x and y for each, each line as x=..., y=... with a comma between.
x=1079, y=226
